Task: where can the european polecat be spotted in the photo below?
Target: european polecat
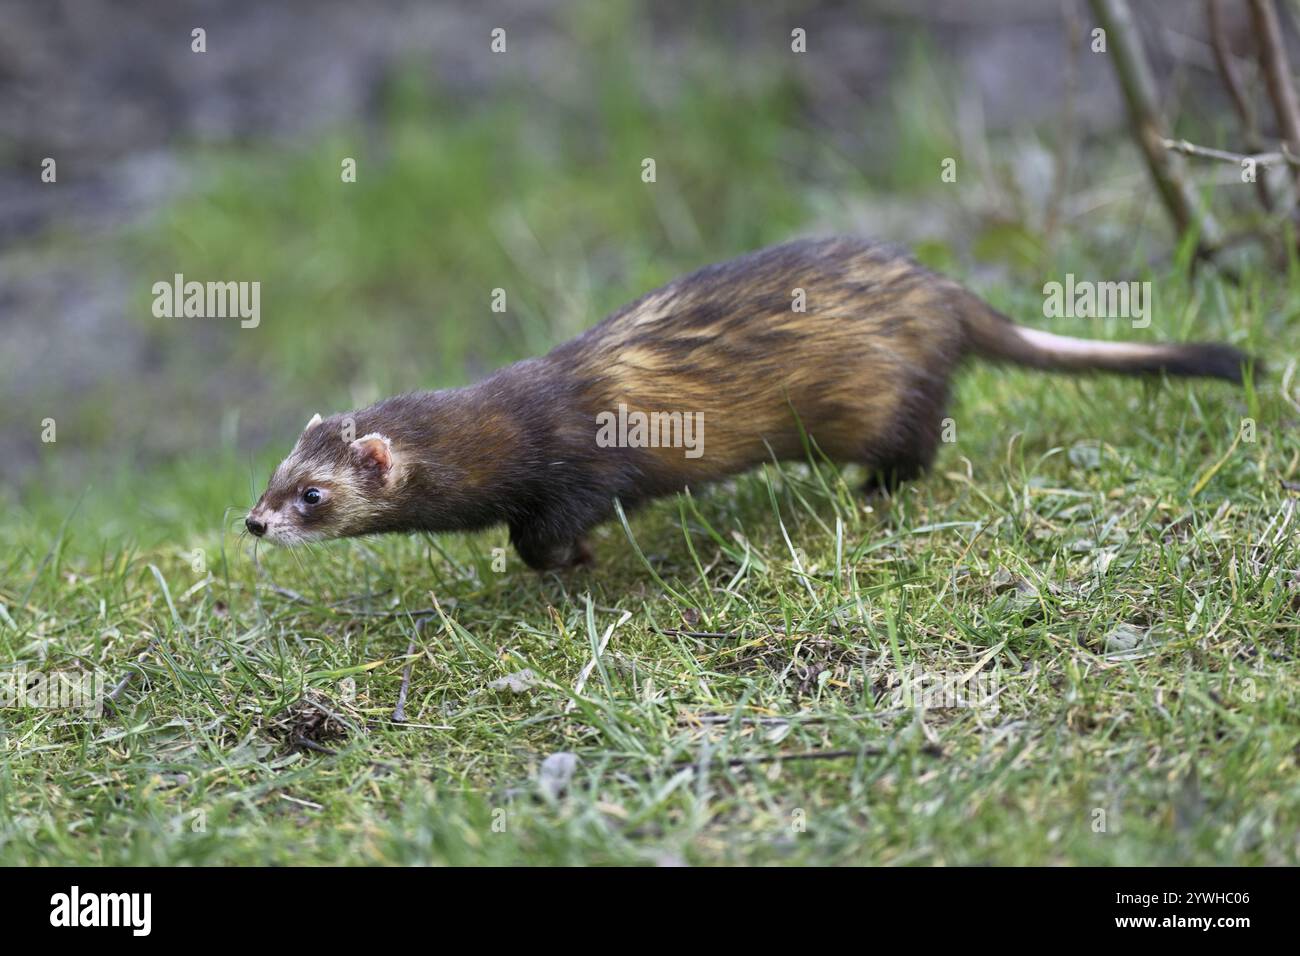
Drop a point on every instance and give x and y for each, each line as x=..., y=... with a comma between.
x=849, y=342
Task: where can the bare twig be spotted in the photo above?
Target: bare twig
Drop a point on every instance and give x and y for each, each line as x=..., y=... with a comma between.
x=1065, y=149
x=1277, y=73
x=929, y=749
x=399, y=712
x=1227, y=67
x=417, y=612
x=116, y=692
x=113, y=695
x=1139, y=89
x=804, y=755
x=718, y=635
x=305, y=744
x=290, y=594
x=716, y=719
x=368, y=596
x=1227, y=156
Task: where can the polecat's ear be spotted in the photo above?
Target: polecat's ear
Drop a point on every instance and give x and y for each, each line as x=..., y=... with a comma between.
x=374, y=453
x=315, y=420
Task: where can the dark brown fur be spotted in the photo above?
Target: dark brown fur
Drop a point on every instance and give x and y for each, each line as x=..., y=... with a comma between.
x=865, y=371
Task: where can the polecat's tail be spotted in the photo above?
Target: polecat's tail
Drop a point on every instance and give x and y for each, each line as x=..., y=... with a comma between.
x=992, y=335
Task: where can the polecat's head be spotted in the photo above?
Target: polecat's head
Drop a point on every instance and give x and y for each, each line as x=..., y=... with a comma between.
x=332, y=485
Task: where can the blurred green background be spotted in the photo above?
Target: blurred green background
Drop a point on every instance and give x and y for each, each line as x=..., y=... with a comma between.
x=478, y=171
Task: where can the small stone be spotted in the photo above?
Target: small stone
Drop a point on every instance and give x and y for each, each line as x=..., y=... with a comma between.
x=556, y=772
x=517, y=683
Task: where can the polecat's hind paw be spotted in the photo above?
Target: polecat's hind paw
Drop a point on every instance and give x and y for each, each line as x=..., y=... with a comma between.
x=574, y=556
x=543, y=555
x=880, y=485
x=583, y=556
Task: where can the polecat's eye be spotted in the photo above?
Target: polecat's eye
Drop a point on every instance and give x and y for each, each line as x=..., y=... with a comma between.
x=311, y=496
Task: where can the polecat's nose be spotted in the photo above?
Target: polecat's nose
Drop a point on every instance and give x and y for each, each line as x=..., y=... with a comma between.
x=257, y=527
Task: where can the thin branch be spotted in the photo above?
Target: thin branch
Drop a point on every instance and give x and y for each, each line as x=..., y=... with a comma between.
x=1223, y=155
x=714, y=635
x=306, y=744
x=399, y=712
x=716, y=719
x=1277, y=73
x=1227, y=67
x=112, y=697
x=931, y=750
x=1139, y=89
x=1065, y=149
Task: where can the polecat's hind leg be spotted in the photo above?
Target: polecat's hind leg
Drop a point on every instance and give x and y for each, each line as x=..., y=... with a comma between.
x=543, y=552
x=885, y=479
x=908, y=450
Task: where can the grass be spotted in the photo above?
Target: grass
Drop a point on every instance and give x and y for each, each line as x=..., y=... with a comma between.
x=1104, y=556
